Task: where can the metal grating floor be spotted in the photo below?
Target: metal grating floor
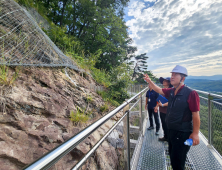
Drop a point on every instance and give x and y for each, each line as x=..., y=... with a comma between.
x=202, y=158
x=154, y=155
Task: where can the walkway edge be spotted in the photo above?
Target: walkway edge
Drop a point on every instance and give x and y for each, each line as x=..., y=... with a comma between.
x=211, y=148
x=136, y=154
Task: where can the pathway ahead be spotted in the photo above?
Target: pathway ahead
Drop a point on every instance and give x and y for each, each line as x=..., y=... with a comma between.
x=154, y=155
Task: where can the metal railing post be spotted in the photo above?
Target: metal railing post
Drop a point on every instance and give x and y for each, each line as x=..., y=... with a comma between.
x=140, y=112
x=126, y=138
x=209, y=121
x=128, y=142
x=131, y=90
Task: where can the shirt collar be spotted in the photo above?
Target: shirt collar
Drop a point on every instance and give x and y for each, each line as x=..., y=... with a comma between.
x=179, y=89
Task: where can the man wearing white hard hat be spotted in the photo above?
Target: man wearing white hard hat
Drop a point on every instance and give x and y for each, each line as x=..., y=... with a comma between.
x=182, y=119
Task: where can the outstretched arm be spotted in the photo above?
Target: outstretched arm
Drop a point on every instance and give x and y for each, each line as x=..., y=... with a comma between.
x=155, y=87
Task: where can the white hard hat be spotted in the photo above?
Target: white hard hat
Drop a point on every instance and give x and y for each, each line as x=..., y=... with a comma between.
x=180, y=69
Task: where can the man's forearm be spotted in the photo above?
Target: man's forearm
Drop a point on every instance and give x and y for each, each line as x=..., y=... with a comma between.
x=155, y=87
x=196, y=122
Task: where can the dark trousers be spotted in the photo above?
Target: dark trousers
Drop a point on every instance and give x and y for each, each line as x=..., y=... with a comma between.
x=156, y=118
x=163, y=120
x=177, y=149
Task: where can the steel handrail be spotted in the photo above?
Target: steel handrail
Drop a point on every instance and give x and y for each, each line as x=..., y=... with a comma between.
x=56, y=154
x=135, y=103
x=80, y=163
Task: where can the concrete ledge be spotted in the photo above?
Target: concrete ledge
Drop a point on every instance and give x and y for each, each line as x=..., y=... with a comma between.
x=133, y=143
x=135, y=113
x=134, y=129
x=136, y=153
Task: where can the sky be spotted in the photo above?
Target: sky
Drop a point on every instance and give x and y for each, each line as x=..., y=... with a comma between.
x=177, y=32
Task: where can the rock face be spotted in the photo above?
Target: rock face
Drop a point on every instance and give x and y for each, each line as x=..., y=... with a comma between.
x=34, y=119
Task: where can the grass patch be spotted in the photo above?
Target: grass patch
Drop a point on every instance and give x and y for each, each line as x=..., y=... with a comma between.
x=136, y=121
x=104, y=108
x=79, y=117
x=5, y=78
x=89, y=99
x=106, y=97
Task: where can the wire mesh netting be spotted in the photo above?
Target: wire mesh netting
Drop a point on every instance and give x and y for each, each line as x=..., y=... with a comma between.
x=216, y=119
x=204, y=116
x=136, y=123
x=216, y=110
x=22, y=42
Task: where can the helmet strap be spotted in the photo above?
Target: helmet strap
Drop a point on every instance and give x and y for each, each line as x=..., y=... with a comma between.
x=179, y=83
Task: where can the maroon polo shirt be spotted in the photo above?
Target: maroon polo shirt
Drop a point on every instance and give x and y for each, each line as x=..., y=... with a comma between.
x=193, y=99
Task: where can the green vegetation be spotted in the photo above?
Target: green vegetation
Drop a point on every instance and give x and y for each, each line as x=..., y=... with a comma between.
x=104, y=108
x=94, y=35
x=5, y=77
x=79, y=117
x=106, y=97
x=136, y=121
x=205, y=85
x=89, y=99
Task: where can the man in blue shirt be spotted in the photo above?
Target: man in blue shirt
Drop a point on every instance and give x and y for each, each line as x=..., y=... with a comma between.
x=151, y=103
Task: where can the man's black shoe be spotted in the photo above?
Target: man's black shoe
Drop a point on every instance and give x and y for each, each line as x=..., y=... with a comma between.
x=151, y=127
x=162, y=139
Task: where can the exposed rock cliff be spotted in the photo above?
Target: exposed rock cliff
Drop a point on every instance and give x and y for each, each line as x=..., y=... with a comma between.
x=34, y=119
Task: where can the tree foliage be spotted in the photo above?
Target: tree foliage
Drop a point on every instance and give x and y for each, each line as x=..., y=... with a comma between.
x=94, y=34
x=140, y=66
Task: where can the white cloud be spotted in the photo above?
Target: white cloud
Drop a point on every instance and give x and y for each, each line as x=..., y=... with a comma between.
x=149, y=0
x=178, y=32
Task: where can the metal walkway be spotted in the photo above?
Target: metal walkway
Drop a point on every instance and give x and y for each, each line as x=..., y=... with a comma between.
x=154, y=155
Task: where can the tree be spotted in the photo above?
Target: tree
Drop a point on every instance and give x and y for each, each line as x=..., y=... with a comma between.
x=140, y=66
x=97, y=24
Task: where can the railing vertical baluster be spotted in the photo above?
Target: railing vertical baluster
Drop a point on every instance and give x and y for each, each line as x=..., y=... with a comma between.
x=131, y=90
x=140, y=112
x=126, y=137
x=209, y=121
x=128, y=142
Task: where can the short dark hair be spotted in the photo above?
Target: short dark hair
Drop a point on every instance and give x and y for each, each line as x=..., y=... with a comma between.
x=183, y=75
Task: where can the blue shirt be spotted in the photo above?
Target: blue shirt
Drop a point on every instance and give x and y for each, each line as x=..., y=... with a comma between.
x=152, y=95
